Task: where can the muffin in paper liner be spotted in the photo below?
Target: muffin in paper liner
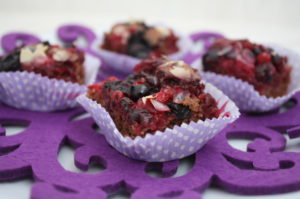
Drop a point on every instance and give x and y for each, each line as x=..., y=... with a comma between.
x=175, y=143
x=31, y=91
x=125, y=63
x=244, y=94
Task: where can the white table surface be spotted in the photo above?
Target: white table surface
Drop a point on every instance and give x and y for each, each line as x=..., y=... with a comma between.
x=263, y=21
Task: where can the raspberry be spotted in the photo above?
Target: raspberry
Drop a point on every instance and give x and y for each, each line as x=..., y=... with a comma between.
x=263, y=57
x=164, y=96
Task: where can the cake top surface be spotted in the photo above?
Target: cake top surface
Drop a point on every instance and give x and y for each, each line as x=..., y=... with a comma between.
x=138, y=39
x=49, y=60
x=254, y=63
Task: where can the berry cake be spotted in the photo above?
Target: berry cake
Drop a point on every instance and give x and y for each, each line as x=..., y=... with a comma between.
x=256, y=64
x=48, y=60
x=140, y=40
x=159, y=94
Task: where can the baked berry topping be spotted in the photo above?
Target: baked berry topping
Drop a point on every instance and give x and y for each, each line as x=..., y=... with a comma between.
x=11, y=62
x=160, y=94
x=265, y=72
x=181, y=112
x=256, y=64
x=138, y=91
x=48, y=60
x=256, y=50
x=138, y=46
x=139, y=40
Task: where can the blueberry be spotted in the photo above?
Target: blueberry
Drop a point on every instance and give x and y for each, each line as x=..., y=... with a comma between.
x=276, y=59
x=278, y=62
x=153, y=80
x=11, y=62
x=181, y=112
x=133, y=78
x=264, y=72
x=111, y=84
x=126, y=103
x=138, y=51
x=139, y=91
x=256, y=50
x=118, y=85
x=46, y=43
x=270, y=50
x=141, y=116
x=124, y=88
x=211, y=55
x=138, y=46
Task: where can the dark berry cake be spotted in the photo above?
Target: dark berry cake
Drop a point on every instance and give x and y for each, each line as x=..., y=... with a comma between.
x=159, y=94
x=256, y=64
x=140, y=40
x=48, y=60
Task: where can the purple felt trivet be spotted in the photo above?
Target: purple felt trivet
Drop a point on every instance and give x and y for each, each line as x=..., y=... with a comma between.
x=9, y=41
x=264, y=169
x=71, y=32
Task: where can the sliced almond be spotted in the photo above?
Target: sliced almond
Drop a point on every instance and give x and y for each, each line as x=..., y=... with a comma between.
x=61, y=55
x=180, y=72
x=163, y=31
x=40, y=50
x=144, y=99
x=29, y=53
x=183, y=71
x=153, y=36
x=159, y=106
x=26, y=55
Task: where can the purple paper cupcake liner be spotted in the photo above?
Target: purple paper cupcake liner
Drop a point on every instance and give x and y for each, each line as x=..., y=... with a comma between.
x=31, y=91
x=124, y=63
x=170, y=144
x=244, y=94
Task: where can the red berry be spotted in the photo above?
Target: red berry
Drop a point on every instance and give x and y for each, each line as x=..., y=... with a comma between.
x=112, y=78
x=263, y=57
x=247, y=44
x=117, y=95
x=95, y=86
x=164, y=96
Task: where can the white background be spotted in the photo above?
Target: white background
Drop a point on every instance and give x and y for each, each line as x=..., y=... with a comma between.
x=260, y=20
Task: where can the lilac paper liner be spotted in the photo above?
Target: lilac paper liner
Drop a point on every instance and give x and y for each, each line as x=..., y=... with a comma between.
x=125, y=63
x=171, y=144
x=244, y=94
x=31, y=91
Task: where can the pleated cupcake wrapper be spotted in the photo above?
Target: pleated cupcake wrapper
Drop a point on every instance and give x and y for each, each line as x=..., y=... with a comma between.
x=244, y=94
x=124, y=64
x=170, y=144
x=31, y=91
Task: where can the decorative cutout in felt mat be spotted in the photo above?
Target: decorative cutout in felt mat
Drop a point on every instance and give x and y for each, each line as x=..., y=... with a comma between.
x=264, y=169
